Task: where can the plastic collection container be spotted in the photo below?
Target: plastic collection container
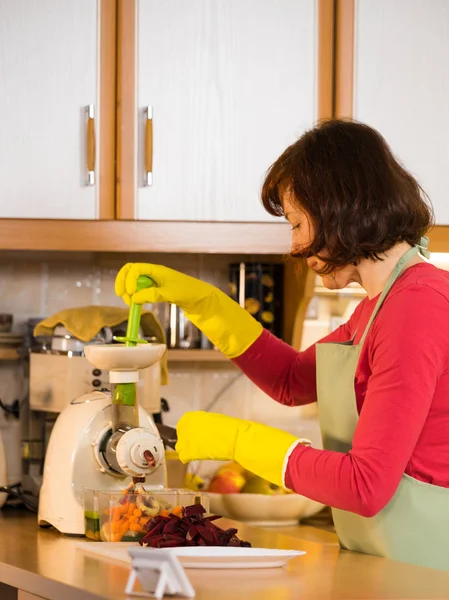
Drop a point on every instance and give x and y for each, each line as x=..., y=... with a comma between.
x=121, y=516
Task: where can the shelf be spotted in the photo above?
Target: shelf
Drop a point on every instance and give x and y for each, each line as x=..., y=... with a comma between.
x=144, y=236
x=197, y=355
x=8, y=354
x=348, y=292
x=174, y=356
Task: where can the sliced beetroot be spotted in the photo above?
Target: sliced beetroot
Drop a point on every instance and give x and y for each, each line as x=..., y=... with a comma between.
x=171, y=526
x=173, y=516
x=184, y=525
x=152, y=540
x=158, y=528
x=192, y=529
x=178, y=540
x=193, y=510
x=169, y=544
x=206, y=535
x=212, y=518
x=226, y=536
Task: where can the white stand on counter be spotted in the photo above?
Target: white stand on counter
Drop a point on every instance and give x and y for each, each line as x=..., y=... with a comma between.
x=160, y=573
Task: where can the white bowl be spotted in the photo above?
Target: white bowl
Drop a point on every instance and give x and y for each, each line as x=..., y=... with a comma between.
x=119, y=357
x=263, y=510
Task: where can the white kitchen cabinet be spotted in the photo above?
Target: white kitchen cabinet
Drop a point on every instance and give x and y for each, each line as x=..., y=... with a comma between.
x=229, y=84
x=401, y=85
x=49, y=75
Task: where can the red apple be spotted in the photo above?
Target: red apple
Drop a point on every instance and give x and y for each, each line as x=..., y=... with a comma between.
x=228, y=482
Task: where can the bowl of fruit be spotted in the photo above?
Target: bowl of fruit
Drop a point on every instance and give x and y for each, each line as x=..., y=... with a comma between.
x=238, y=494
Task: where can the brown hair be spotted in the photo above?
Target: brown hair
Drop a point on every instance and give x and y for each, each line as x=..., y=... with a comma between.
x=360, y=200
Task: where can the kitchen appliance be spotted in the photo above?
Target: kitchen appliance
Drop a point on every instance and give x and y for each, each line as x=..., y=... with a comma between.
x=182, y=333
x=102, y=441
x=60, y=372
x=168, y=434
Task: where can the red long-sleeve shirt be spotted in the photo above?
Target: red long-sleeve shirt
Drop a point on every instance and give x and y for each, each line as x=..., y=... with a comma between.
x=402, y=391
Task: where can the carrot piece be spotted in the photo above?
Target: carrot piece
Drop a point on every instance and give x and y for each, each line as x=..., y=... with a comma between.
x=116, y=526
x=135, y=527
x=144, y=520
x=116, y=514
x=116, y=537
x=164, y=513
x=177, y=511
x=124, y=530
x=131, y=508
x=137, y=512
x=124, y=508
x=133, y=520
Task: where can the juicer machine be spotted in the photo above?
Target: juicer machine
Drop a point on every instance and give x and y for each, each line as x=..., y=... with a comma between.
x=103, y=441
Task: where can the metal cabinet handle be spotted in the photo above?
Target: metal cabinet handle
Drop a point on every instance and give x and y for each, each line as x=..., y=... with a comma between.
x=149, y=146
x=90, y=154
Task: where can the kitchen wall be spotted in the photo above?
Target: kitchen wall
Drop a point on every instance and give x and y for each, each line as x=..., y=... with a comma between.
x=38, y=285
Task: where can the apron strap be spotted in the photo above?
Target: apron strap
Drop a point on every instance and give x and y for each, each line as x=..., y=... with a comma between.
x=420, y=248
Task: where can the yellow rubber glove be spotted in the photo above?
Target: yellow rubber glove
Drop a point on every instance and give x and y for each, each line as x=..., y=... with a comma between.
x=227, y=325
x=258, y=448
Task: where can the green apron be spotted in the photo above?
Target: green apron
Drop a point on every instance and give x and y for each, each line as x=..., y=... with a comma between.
x=414, y=526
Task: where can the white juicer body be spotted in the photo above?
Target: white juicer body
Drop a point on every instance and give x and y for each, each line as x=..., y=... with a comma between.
x=73, y=462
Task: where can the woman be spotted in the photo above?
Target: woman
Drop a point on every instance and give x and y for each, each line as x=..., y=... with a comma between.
x=381, y=379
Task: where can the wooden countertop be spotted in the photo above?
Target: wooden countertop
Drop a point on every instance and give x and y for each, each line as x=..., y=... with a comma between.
x=47, y=564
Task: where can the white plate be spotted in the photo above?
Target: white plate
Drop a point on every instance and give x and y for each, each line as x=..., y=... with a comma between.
x=201, y=557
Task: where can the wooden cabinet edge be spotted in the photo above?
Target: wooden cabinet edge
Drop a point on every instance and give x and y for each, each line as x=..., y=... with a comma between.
x=160, y=236
x=344, y=58
x=144, y=236
x=326, y=45
x=126, y=99
x=106, y=159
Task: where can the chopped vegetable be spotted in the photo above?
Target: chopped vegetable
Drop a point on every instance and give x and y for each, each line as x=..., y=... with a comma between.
x=127, y=520
x=92, y=524
x=191, y=528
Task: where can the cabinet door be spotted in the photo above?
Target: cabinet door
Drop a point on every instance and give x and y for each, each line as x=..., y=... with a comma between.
x=401, y=85
x=229, y=84
x=50, y=75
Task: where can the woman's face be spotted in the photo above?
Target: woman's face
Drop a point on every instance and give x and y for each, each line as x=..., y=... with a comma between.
x=302, y=236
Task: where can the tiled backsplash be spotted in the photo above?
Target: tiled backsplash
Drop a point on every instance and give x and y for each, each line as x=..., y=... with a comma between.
x=196, y=388
x=38, y=285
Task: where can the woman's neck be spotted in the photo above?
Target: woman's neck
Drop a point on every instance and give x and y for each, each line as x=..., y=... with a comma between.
x=373, y=275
